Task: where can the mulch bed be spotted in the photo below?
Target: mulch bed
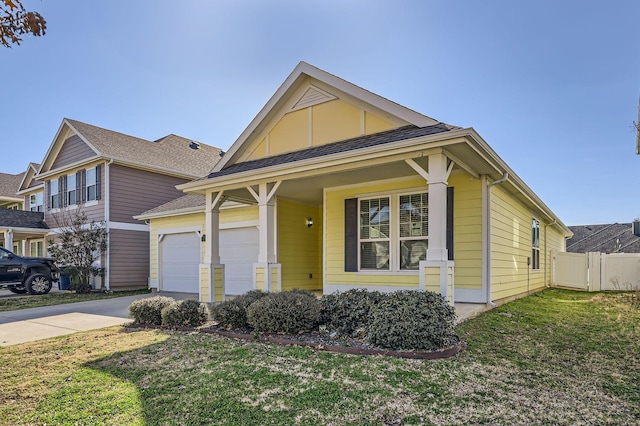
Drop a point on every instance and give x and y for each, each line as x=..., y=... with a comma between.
x=317, y=341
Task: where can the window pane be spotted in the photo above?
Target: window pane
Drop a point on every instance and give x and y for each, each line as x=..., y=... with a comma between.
x=374, y=218
x=91, y=177
x=374, y=255
x=71, y=182
x=412, y=252
x=91, y=193
x=414, y=215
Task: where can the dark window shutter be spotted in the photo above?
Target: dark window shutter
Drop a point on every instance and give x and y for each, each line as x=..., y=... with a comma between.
x=78, y=187
x=98, y=182
x=47, y=201
x=83, y=186
x=62, y=189
x=351, y=235
x=450, y=222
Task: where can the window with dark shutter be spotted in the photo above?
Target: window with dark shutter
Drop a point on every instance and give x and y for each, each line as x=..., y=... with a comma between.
x=98, y=182
x=450, y=222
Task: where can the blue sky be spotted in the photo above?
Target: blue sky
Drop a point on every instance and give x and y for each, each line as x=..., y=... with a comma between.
x=552, y=86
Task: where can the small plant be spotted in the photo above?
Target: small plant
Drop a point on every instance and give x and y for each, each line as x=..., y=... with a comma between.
x=188, y=313
x=286, y=312
x=149, y=310
x=233, y=313
x=349, y=313
x=413, y=320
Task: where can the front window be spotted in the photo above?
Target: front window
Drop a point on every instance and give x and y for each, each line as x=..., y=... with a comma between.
x=54, y=194
x=36, y=248
x=414, y=212
x=35, y=202
x=72, y=192
x=374, y=234
x=91, y=184
x=535, y=244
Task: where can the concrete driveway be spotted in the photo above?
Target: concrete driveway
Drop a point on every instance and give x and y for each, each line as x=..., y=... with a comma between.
x=27, y=325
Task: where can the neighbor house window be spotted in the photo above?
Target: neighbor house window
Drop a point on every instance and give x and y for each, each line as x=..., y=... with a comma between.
x=91, y=185
x=374, y=234
x=54, y=194
x=413, y=215
x=535, y=244
x=36, y=248
x=35, y=202
x=72, y=192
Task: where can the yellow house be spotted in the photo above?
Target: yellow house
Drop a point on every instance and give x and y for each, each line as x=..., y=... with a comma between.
x=332, y=187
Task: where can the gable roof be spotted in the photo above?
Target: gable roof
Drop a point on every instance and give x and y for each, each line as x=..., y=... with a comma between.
x=9, y=185
x=353, y=144
x=171, y=154
x=185, y=204
x=28, y=180
x=301, y=75
x=22, y=219
x=606, y=238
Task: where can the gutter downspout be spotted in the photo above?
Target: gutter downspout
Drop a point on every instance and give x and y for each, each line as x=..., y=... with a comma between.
x=107, y=212
x=545, y=251
x=486, y=229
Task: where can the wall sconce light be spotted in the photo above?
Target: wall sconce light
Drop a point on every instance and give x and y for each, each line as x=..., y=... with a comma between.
x=309, y=222
x=203, y=238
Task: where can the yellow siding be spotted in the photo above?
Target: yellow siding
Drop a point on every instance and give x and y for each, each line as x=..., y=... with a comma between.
x=375, y=124
x=238, y=214
x=260, y=151
x=260, y=278
x=335, y=120
x=218, y=279
x=299, y=246
x=290, y=134
x=204, y=282
x=511, y=246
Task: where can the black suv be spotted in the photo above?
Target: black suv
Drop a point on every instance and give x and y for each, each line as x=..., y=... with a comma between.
x=34, y=275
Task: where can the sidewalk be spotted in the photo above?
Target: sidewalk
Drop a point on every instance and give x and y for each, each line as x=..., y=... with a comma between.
x=27, y=325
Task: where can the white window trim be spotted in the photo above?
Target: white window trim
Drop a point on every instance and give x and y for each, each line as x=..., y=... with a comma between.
x=394, y=232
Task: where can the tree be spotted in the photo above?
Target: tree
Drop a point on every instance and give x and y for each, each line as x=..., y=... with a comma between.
x=15, y=22
x=78, y=246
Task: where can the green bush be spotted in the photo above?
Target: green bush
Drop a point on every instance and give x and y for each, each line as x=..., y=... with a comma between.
x=413, y=320
x=349, y=313
x=149, y=310
x=188, y=313
x=233, y=313
x=286, y=312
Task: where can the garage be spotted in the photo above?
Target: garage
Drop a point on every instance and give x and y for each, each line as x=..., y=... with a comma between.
x=238, y=252
x=180, y=262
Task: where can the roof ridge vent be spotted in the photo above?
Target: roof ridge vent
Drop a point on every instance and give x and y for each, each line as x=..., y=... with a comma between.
x=194, y=145
x=635, y=227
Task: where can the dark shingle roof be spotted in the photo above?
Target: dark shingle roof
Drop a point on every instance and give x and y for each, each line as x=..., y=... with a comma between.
x=9, y=184
x=171, y=152
x=184, y=202
x=607, y=238
x=406, y=132
x=22, y=219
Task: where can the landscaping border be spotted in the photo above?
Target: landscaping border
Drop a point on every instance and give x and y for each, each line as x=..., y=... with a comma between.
x=426, y=355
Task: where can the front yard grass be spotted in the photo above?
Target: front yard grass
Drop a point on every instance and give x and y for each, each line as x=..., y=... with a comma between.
x=557, y=357
x=27, y=301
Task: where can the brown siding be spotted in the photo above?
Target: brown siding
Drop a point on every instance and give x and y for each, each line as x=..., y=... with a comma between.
x=135, y=191
x=73, y=149
x=129, y=263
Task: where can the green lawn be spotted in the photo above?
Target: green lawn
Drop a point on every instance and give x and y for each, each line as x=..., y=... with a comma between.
x=27, y=301
x=557, y=357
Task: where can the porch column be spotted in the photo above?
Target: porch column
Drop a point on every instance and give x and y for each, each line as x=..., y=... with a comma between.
x=211, y=287
x=8, y=239
x=266, y=272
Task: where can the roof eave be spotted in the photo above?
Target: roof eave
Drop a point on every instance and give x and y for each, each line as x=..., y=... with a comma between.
x=169, y=213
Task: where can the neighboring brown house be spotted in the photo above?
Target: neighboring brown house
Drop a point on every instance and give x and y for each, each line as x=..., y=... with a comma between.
x=8, y=187
x=111, y=177
x=608, y=238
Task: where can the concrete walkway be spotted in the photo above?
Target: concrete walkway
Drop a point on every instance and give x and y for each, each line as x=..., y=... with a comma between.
x=28, y=325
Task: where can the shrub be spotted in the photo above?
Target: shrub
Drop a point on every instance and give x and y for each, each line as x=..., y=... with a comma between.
x=149, y=310
x=189, y=313
x=233, y=313
x=286, y=312
x=413, y=320
x=349, y=313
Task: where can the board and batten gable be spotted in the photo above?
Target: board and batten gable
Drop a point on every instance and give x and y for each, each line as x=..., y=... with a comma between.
x=319, y=121
x=73, y=150
x=511, y=247
x=134, y=191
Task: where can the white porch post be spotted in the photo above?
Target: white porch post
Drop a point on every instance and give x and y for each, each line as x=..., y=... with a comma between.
x=8, y=239
x=436, y=272
x=266, y=272
x=211, y=287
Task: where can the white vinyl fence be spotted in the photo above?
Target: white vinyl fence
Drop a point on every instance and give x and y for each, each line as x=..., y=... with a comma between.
x=596, y=271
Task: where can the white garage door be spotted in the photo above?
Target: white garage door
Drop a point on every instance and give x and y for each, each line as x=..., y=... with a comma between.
x=180, y=260
x=238, y=253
